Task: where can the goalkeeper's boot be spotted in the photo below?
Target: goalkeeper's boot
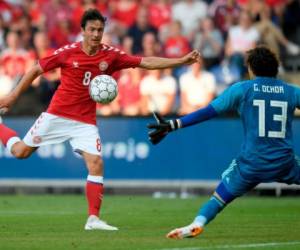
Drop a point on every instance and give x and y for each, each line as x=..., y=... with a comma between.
x=94, y=223
x=189, y=231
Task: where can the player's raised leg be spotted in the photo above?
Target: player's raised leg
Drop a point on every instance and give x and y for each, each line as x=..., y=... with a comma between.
x=94, y=192
x=207, y=213
x=13, y=143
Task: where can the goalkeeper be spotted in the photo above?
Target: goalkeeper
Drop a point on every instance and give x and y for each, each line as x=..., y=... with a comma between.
x=266, y=106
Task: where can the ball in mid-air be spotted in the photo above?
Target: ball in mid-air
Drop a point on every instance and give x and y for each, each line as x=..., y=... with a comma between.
x=103, y=89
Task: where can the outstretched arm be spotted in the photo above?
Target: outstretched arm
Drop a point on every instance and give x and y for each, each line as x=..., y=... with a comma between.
x=23, y=85
x=163, y=63
x=163, y=127
x=229, y=100
x=198, y=116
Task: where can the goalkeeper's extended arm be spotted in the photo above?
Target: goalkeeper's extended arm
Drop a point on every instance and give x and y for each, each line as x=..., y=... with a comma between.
x=163, y=127
x=198, y=116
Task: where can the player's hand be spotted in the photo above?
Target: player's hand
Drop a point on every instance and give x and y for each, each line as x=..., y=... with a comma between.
x=192, y=57
x=161, y=128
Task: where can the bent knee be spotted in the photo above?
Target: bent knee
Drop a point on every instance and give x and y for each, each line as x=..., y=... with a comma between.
x=95, y=166
x=21, y=151
x=96, y=163
x=223, y=194
x=21, y=154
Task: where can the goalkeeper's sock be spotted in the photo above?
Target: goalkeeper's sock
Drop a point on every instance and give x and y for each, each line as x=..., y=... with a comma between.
x=94, y=194
x=215, y=205
x=209, y=211
x=8, y=136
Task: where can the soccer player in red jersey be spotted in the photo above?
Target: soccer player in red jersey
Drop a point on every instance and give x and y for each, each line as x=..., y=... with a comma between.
x=71, y=115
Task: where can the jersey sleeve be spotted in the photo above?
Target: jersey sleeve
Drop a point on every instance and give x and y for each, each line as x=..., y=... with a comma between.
x=229, y=99
x=124, y=61
x=53, y=61
x=297, y=96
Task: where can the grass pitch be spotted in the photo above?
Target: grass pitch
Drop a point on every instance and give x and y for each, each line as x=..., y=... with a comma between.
x=56, y=222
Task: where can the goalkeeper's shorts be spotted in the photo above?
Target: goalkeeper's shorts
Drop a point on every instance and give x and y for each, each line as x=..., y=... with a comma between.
x=237, y=182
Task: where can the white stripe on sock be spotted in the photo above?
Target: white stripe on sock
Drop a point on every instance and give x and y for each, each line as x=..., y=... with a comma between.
x=172, y=124
x=96, y=179
x=11, y=141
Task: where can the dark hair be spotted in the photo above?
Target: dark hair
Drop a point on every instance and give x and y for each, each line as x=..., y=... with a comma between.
x=91, y=15
x=263, y=61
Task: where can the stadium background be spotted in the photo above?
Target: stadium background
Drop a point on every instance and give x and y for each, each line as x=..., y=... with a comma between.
x=190, y=160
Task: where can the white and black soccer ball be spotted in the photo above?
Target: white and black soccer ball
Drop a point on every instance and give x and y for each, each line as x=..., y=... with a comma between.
x=103, y=89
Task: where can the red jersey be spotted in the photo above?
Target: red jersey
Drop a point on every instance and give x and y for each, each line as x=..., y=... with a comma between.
x=176, y=46
x=129, y=90
x=159, y=14
x=14, y=63
x=71, y=99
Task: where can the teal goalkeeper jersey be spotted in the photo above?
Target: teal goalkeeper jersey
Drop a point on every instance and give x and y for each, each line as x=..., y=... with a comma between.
x=266, y=106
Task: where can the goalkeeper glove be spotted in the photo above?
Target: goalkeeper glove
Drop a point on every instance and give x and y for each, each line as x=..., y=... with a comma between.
x=161, y=128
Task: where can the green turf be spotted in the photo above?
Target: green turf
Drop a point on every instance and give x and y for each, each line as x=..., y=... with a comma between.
x=56, y=222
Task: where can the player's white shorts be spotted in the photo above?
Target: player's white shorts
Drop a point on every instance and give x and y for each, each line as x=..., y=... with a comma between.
x=52, y=129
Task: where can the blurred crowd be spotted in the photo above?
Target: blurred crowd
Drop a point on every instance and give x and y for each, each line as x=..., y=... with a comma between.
x=222, y=30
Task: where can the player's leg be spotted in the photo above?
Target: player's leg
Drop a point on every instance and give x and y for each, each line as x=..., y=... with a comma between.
x=231, y=187
x=13, y=143
x=297, y=167
x=86, y=141
x=219, y=200
x=293, y=175
x=94, y=184
x=94, y=192
x=207, y=213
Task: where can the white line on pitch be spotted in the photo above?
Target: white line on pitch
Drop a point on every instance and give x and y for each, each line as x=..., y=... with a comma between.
x=250, y=245
x=21, y=213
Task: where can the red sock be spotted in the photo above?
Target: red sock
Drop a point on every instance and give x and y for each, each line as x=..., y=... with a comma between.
x=6, y=133
x=94, y=193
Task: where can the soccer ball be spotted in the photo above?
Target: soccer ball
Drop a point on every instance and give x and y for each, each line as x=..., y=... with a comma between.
x=103, y=89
